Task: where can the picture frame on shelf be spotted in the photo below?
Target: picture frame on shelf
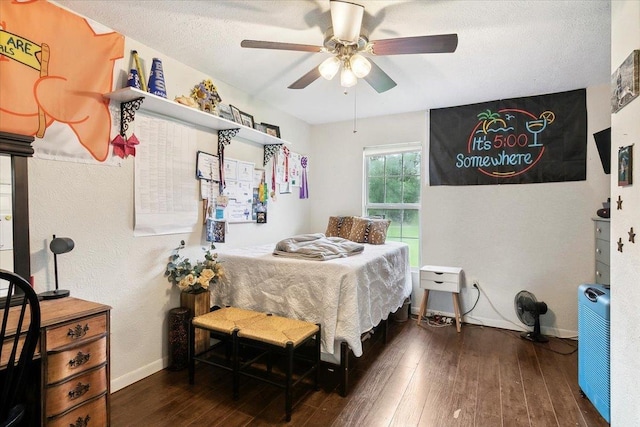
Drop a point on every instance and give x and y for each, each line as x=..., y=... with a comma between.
x=224, y=110
x=246, y=119
x=625, y=167
x=259, y=127
x=272, y=130
x=236, y=114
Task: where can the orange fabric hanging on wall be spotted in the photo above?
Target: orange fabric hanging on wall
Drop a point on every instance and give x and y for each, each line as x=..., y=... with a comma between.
x=55, y=67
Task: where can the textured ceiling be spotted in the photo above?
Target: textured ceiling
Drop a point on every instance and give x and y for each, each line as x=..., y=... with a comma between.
x=506, y=48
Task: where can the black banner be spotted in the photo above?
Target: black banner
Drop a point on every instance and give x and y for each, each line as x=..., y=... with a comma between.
x=512, y=141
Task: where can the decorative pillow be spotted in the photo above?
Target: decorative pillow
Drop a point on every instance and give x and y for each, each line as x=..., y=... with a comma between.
x=333, y=228
x=339, y=226
x=377, y=231
x=345, y=227
x=359, y=230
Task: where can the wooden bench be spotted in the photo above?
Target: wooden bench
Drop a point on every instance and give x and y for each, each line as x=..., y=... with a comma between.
x=270, y=335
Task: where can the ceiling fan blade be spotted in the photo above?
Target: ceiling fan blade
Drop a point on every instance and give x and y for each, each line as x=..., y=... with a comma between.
x=442, y=43
x=306, y=80
x=346, y=19
x=259, y=44
x=378, y=79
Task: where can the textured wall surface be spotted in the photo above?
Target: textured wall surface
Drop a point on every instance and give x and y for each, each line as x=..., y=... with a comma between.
x=625, y=266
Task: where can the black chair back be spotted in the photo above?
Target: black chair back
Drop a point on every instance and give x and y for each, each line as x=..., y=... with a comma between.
x=18, y=340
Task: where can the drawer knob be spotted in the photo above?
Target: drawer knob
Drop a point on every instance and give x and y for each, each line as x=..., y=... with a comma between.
x=598, y=251
x=79, y=360
x=81, y=422
x=78, y=391
x=598, y=273
x=78, y=332
x=599, y=230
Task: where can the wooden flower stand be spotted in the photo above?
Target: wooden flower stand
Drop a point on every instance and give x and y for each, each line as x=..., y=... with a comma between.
x=198, y=304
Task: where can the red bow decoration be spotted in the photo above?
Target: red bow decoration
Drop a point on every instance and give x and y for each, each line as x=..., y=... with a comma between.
x=124, y=147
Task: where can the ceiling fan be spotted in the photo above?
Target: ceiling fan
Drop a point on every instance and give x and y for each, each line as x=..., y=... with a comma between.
x=348, y=41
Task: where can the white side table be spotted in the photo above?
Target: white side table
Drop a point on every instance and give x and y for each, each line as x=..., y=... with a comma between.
x=438, y=278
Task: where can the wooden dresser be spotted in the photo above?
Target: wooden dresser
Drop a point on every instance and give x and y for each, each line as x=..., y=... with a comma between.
x=74, y=364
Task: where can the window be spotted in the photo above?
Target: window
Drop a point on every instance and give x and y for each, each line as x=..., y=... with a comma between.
x=392, y=190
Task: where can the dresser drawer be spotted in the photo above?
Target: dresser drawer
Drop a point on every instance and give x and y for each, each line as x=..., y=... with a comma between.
x=603, y=230
x=91, y=414
x=76, y=332
x=64, y=396
x=8, y=345
x=80, y=358
x=602, y=273
x=602, y=251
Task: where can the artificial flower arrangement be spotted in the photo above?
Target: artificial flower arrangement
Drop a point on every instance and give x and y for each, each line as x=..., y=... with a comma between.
x=194, y=278
x=205, y=94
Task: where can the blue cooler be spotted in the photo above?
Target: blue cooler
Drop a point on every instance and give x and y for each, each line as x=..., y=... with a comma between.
x=593, y=346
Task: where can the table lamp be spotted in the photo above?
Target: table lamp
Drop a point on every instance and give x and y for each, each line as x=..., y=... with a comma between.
x=59, y=245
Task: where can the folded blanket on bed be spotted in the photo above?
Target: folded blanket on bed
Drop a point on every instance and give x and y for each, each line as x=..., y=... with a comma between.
x=317, y=247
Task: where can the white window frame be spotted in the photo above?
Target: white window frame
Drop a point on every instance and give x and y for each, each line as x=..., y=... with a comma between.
x=386, y=150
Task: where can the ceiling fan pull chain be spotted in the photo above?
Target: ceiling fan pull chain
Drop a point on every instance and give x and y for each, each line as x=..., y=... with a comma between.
x=355, y=109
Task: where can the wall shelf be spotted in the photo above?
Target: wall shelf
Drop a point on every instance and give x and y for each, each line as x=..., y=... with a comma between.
x=172, y=110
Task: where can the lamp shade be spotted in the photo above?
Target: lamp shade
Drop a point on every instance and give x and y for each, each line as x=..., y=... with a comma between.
x=347, y=78
x=329, y=67
x=61, y=245
x=346, y=18
x=360, y=65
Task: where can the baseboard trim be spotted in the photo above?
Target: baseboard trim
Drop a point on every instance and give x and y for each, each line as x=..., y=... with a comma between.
x=505, y=324
x=138, y=374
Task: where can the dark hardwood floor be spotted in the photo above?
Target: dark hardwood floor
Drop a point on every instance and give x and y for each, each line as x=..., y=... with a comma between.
x=423, y=376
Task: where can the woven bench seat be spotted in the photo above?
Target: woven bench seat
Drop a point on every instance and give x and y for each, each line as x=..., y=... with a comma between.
x=227, y=319
x=278, y=331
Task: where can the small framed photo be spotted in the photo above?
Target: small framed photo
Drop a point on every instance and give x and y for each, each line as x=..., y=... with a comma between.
x=625, y=82
x=246, y=119
x=271, y=130
x=236, y=114
x=625, y=167
x=259, y=127
x=224, y=110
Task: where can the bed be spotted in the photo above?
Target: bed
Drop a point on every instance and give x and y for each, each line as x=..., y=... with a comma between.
x=348, y=296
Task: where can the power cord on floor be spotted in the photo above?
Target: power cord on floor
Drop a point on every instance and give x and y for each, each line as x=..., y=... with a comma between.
x=512, y=333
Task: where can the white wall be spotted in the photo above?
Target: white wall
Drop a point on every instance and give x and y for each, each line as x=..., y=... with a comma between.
x=537, y=237
x=625, y=266
x=93, y=204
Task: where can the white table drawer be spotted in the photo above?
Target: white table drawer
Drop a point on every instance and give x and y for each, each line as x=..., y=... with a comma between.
x=435, y=285
x=438, y=278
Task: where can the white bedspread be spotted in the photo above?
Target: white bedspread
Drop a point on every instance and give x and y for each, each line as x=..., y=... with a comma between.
x=347, y=296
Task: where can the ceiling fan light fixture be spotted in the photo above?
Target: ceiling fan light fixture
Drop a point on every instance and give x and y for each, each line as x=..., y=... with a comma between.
x=360, y=65
x=346, y=18
x=329, y=67
x=347, y=77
